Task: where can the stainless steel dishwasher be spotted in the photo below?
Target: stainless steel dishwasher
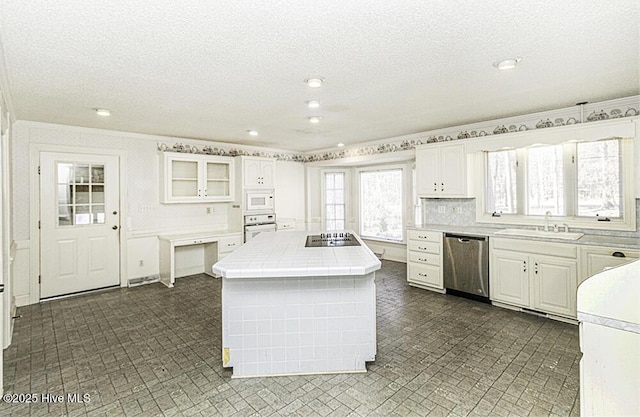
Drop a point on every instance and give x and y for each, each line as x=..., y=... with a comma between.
x=466, y=266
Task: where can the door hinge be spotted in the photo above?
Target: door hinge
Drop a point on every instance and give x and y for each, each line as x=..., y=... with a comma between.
x=39, y=279
x=573, y=159
x=38, y=169
x=38, y=224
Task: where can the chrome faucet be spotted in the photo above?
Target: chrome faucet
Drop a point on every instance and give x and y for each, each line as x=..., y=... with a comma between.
x=546, y=220
x=566, y=227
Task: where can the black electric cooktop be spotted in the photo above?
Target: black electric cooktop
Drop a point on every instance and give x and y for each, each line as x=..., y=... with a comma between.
x=333, y=239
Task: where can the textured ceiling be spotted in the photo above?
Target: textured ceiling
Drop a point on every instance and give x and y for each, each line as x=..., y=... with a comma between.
x=213, y=69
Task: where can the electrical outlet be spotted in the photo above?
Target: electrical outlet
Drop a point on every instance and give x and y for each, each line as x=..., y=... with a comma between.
x=441, y=209
x=209, y=210
x=457, y=210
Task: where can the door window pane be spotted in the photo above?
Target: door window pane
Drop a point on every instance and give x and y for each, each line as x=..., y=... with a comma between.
x=381, y=204
x=545, y=181
x=501, y=182
x=80, y=194
x=334, y=201
x=599, y=177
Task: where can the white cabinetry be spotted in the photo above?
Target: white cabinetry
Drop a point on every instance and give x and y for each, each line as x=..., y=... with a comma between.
x=215, y=247
x=258, y=172
x=197, y=178
x=424, y=255
x=509, y=277
x=595, y=259
x=537, y=275
x=441, y=171
x=228, y=244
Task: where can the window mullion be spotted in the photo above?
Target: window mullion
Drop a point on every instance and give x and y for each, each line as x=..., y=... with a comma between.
x=571, y=186
x=521, y=181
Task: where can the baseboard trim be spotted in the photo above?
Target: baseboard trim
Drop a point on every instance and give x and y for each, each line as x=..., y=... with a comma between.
x=21, y=300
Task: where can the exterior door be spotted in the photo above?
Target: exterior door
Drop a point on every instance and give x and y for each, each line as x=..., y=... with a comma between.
x=79, y=215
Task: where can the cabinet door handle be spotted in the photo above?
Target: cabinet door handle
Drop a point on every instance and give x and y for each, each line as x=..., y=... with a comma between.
x=421, y=248
x=199, y=193
x=618, y=254
x=524, y=266
x=435, y=186
x=422, y=259
x=422, y=275
x=442, y=189
x=535, y=267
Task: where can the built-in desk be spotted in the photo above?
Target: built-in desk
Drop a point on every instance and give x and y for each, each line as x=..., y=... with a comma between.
x=216, y=246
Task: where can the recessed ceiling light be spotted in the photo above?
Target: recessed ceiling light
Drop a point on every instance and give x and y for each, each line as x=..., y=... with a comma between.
x=340, y=145
x=506, y=64
x=315, y=82
x=103, y=112
x=252, y=132
x=313, y=104
x=315, y=119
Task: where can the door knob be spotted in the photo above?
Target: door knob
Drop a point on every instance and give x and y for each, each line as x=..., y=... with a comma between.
x=115, y=227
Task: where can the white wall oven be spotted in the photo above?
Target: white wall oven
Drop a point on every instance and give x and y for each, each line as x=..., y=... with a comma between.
x=259, y=201
x=258, y=223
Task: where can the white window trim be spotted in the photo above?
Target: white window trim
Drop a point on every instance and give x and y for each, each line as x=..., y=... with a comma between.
x=629, y=207
x=323, y=198
x=406, y=195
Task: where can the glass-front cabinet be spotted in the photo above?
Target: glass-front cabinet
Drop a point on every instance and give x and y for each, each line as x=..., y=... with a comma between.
x=197, y=178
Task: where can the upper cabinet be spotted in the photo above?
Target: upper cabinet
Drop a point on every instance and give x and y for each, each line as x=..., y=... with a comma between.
x=190, y=178
x=441, y=171
x=258, y=172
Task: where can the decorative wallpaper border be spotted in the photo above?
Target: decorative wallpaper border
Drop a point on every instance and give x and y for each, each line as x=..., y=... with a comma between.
x=571, y=118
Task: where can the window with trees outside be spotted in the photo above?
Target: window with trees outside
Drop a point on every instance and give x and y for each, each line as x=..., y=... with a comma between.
x=572, y=180
x=334, y=207
x=381, y=204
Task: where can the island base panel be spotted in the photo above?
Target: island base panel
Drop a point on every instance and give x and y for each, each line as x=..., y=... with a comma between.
x=298, y=325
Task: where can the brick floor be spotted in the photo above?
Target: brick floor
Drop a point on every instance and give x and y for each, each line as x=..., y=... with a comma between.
x=154, y=351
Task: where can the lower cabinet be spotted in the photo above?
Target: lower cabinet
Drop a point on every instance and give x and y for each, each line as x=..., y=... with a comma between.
x=595, y=259
x=537, y=275
x=509, y=277
x=424, y=259
x=228, y=244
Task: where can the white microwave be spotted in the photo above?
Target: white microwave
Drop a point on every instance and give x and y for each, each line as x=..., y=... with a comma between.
x=259, y=201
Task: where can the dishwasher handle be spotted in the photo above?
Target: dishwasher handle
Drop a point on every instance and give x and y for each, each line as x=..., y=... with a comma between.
x=464, y=238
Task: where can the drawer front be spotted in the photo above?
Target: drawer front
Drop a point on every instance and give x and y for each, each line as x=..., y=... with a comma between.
x=428, y=247
x=425, y=236
x=425, y=258
x=565, y=250
x=229, y=243
x=426, y=275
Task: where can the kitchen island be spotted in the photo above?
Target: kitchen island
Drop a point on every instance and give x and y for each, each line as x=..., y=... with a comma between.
x=292, y=309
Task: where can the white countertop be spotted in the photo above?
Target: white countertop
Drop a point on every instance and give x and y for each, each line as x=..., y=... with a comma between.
x=587, y=239
x=611, y=298
x=284, y=255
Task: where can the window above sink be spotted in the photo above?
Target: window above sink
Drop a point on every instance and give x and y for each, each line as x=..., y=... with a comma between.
x=587, y=185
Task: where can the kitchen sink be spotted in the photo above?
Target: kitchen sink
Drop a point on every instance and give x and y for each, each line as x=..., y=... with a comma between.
x=540, y=233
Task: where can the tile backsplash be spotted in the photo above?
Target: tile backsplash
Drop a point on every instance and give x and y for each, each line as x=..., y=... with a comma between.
x=462, y=212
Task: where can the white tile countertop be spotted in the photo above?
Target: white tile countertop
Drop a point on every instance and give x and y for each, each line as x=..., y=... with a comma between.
x=587, y=239
x=284, y=255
